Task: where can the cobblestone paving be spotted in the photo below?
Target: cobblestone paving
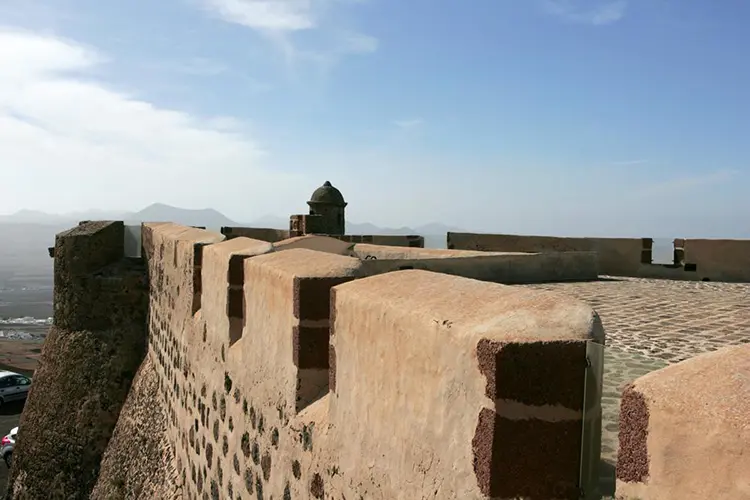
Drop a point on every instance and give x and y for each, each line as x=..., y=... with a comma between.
x=650, y=324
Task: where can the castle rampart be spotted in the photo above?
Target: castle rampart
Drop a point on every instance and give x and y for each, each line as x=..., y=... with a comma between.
x=263, y=400
x=216, y=365
x=89, y=359
x=694, y=259
x=275, y=235
x=289, y=371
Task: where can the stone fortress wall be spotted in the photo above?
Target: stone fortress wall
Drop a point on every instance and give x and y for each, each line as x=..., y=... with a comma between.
x=315, y=367
x=694, y=259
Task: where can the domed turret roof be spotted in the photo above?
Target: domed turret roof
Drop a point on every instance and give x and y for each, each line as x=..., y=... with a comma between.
x=327, y=195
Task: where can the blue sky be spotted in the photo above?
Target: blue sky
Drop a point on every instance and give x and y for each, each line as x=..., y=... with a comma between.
x=577, y=117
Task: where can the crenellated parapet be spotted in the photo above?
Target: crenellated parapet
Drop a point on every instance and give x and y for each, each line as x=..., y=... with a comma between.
x=693, y=259
x=303, y=374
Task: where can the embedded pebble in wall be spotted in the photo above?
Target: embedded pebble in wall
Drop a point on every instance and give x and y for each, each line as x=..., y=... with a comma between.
x=227, y=383
x=296, y=469
x=258, y=488
x=256, y=453
x=265, y=465
x=209, y=454
x=317, y=488
x=245, y=444
x=248, y=477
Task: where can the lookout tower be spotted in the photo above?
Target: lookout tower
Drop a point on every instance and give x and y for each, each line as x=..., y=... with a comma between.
x=328, y=203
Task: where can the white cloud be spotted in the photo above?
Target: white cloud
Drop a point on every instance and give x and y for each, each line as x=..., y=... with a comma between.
x=69, y=142
x=282, y=15
x=595, y=12
x=279, y=21
x=409, y=124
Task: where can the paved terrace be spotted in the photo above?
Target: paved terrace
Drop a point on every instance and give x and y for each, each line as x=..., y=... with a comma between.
x=653, y=323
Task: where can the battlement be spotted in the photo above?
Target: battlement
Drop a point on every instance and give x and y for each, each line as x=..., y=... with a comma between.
x=308, y=363
x=693, y=259
x=332, y=366
x=303, y=359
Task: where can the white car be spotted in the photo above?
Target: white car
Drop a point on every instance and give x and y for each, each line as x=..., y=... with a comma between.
x=6, y=446
x=13, y=387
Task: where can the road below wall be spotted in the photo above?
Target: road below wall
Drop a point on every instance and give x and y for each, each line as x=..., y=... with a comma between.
x=20, y=357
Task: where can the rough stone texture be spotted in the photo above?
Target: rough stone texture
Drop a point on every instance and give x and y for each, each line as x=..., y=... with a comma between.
x=632, y=458
x=685, y=430
x=86, y=368
x=80, y=253
x=139, y=462
x=253, y=415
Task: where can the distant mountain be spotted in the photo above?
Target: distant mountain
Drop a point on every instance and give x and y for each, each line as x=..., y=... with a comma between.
x=38, y=217
x=30, y=217
x=159, y=212
x=434, y=233
x=368, y=228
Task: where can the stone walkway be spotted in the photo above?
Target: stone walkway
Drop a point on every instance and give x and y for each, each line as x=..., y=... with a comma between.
x=650, y=324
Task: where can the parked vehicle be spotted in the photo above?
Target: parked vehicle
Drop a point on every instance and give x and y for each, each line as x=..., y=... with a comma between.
x=13, y=387
x=6, y=446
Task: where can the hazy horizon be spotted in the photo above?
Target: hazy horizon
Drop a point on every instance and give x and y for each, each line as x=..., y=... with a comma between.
x=560, y=117
x=26, y=216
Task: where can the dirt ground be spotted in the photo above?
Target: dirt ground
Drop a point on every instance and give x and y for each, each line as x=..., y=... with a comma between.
x=20, y=357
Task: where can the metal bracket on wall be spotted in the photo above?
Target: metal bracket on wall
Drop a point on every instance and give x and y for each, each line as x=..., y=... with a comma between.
x=591, y=429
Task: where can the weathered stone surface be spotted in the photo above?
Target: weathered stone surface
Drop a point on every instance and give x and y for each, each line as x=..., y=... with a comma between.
x=87, y=365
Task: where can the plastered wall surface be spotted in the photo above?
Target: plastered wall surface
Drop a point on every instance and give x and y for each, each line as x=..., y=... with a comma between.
x=617, y=256
x=427, y=400
x=275, y=235
x=702, y=259
x=685, y=430
x=719, y=260
x=497, y=267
